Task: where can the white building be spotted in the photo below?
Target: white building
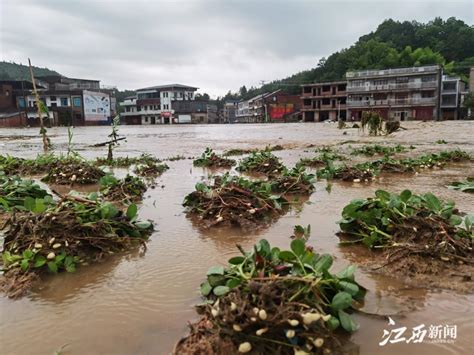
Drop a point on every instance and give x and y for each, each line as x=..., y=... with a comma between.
x=154, y=105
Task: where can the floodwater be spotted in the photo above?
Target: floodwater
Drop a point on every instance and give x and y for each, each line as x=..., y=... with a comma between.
x=140, y=303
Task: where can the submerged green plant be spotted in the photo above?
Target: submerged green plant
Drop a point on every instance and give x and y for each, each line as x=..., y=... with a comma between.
x=305, y=276
x=371, y=150
x=464, y=186
x=22, y=194
x=210, y=159
x=372, y=221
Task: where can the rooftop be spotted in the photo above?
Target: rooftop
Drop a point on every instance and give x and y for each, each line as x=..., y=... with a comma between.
x=168, y=86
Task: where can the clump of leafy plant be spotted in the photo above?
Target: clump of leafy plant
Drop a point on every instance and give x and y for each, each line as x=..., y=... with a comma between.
x=263, y=162
x=177, y=157
x=17, y=193
x=73, y=171
x=124, y=162
x=75, y=230
x=356, y=173
x=294, y=181
x=371, y=150
x=441, y=141
x=151, y=169
x=126, y=190
x=210, y=159
x=274, y=301
x=231, y=152
x=416, y=224
x=232, y=200
x=464, y=186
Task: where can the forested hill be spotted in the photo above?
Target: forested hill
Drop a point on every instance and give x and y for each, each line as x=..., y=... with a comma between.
x=14, y=71
x=393, y=44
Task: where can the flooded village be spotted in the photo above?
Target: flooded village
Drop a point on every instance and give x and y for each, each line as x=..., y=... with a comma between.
x=331, y=212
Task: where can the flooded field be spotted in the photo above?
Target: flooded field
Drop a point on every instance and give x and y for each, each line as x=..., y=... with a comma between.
x=140, y=303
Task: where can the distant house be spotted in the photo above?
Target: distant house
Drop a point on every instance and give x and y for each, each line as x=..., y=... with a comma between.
x=324, y=101
x=70, y=101
x=230, y=111
x=154, y=105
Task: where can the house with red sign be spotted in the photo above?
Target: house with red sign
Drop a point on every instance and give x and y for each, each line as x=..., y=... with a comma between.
x=276, y=106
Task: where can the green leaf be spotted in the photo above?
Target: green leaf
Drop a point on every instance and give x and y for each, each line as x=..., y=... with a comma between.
x=349, y=287
x=286, y=255
x=216, y=280
x=215, y=270
x=298, y=247
x=53, y=267
x=221, y=290
x=233, y=283
x=405, y=195
x=455, y=220
x=143, y=224
x=132, y=211
x=40, y=260
x=25, y=264
x=206, y=288
x=323, y=263
x=432, y=202
x=236, y=260
x=341, y=300
x=347, y=322
x=263, y=247
x=30, y=203
x=333, y=323
x=347, y=273
x=27, y=254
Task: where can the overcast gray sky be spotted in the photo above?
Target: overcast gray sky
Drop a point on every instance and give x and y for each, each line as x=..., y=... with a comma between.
x=214, y=45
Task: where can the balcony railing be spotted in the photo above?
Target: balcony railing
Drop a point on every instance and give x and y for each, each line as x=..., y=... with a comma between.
x=393, y=86
x=392, y=102
x=396, y=71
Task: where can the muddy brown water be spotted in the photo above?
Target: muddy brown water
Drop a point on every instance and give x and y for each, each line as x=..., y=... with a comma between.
x=140, y=303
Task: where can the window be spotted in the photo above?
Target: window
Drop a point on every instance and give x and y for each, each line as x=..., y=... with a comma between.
x=21, y=102
x=52, y=98
x=76, y=101
x=64, y=101
x=54, y=104
x=428, y=78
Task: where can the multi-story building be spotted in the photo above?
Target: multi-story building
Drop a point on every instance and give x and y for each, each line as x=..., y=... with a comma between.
x=401, y=93
x=230, y=110
x=154, y=104
x=324, y=101
x=242, y=114
x=452, y=89
x=70, y=101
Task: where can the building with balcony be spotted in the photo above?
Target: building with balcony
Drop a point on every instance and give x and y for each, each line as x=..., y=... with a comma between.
x=154, y=105
x=401, y=93
x=324, y=101
x=243, y=111
x=68, y=101
x=230, y=110
x=452, y=89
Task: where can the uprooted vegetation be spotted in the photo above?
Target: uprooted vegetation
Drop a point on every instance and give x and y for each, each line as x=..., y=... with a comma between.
x=272, y=301
x=464, y=186
x=73, y=171
x=368, y=170
x=294, y=181
x=125, y=162
x=414, y=237
x=14, y=191
x=40, y=165
x=263, y=162
x=373, y=149
x=209, y=159
x=236, y=151
x=58, y=238
x=232, y=200
x=151, y=169
x=322, y=159
x=126, y=190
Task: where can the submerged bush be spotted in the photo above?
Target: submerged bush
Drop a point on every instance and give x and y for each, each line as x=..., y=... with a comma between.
x=275, y=301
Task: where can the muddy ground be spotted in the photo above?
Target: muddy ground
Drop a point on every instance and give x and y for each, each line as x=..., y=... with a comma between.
x=140, y=303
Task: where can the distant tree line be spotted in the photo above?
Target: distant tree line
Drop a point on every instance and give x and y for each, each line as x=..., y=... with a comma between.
x=394, y=44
